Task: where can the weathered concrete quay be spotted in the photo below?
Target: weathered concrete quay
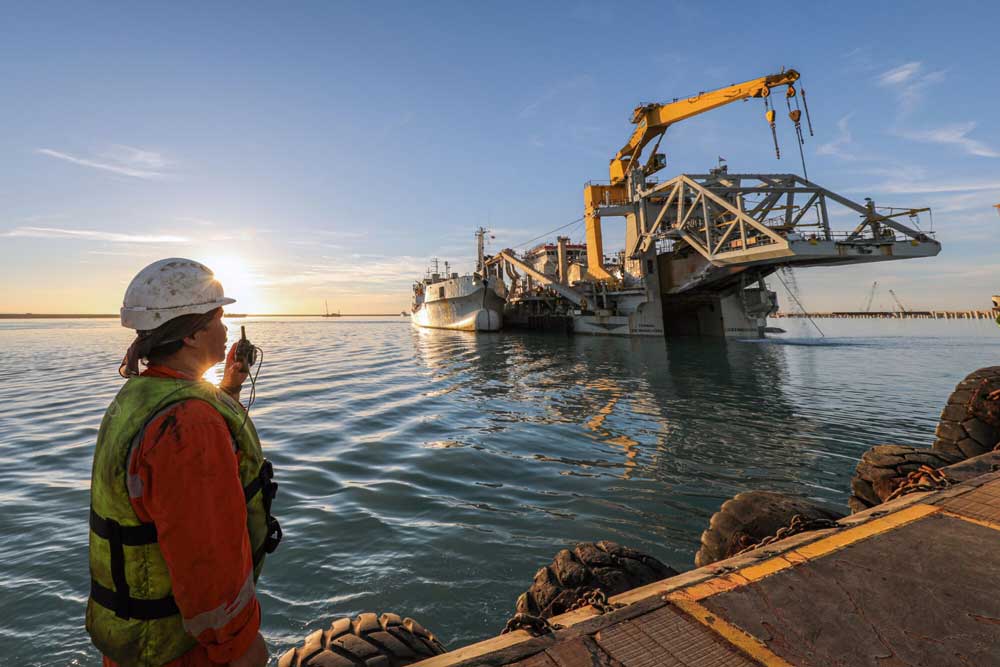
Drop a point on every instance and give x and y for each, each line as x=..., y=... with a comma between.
x=909, y=582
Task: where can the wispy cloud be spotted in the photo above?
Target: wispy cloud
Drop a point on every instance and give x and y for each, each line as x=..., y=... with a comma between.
x=123, y=160
x=909, y=82
x=956, y=134
x=135, y=157
x=900, y=75
x=91, y=235
x=860, y=59
x=842, y=143
x=366, y=273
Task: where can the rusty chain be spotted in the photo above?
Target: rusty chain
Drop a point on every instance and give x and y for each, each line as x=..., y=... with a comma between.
x=798, y=524
x=534, y=625
x=924, y=478
x=984, y=403
x=597, y=599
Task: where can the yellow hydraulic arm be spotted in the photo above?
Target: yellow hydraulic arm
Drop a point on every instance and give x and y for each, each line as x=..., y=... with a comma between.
x=651, y=121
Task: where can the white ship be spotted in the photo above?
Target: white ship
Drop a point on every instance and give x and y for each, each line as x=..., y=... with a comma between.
x=463, y=303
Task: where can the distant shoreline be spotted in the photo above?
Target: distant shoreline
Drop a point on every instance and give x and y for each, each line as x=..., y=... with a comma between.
x=100, y=316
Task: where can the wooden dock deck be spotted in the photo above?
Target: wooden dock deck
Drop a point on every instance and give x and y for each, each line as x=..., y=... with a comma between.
x=910, y=582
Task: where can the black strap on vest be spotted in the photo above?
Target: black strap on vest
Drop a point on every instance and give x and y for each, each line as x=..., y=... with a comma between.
x=138, y=609
x=118, y=536
x=120, y=600
x=131, y=536
x=264, y=482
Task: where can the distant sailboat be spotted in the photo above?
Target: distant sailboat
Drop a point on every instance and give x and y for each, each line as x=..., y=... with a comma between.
x=327, y=313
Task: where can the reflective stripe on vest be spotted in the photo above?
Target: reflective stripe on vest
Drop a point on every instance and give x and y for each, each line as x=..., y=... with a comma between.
x=131, y=615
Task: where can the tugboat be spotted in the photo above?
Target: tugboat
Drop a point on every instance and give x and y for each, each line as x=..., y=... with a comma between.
x=464, y=303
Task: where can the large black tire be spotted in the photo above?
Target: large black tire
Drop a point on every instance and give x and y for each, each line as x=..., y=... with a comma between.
x=572, y=575
x=883, y=467
x=960, y=432
x=369, y=640
x=748, y=518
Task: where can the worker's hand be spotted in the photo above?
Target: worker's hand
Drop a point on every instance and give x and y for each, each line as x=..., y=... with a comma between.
x=235, y=374
x=256, y=655
x=994, y=395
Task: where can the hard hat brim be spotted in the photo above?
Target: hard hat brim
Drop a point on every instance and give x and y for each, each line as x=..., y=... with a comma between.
x=141, y=318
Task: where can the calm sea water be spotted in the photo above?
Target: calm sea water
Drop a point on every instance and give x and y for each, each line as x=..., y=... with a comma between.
x=431, y=473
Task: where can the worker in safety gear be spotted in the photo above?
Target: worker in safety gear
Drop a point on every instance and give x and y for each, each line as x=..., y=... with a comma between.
x=180, y=513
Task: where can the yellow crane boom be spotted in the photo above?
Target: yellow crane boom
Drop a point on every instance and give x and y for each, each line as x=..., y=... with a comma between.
x=652, y=121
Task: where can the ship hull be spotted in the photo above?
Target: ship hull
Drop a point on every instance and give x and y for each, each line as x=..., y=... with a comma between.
x=478, y=310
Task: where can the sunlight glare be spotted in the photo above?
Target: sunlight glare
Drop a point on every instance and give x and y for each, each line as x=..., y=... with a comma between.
x=238, y=283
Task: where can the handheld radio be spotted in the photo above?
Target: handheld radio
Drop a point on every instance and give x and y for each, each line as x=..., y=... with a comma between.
x=246, y=351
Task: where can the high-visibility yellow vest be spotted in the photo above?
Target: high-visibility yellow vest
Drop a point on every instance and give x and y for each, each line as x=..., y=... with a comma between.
x=131, y=614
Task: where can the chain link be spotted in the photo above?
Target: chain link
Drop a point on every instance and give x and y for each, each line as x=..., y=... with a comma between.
x=534, y=625
x=597, y=599
x=798, y=524
x=924, y=478
x=984, y=404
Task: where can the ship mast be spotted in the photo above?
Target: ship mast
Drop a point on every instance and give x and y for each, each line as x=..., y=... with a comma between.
x=480, y=254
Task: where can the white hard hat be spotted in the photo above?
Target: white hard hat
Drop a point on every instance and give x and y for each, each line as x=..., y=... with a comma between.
x=170, y=288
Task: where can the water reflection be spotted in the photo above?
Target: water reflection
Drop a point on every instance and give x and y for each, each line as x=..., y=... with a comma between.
x=665, y=409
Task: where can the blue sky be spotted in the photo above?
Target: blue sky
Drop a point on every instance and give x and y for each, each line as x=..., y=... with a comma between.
x=325, y=151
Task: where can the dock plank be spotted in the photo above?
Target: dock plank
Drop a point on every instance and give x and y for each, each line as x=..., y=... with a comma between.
x=667, y=638
x=982, y=503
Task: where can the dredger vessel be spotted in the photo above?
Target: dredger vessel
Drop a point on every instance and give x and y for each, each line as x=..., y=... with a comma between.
x=467, y=302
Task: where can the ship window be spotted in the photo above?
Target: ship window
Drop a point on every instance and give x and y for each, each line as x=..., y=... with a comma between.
x=440, y=292
x=649, y=266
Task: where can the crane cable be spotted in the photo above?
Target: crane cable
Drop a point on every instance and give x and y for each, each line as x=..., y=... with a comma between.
x=805, y=105
x=801, y=307
x=572, y=222
x=796, y=116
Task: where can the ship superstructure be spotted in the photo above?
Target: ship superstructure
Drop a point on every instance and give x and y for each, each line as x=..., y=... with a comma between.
x=469, y=302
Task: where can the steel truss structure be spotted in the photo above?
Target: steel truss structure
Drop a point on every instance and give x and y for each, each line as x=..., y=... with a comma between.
x=744, y=218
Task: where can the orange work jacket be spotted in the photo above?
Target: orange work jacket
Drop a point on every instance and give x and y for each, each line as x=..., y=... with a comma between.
x=192, y=492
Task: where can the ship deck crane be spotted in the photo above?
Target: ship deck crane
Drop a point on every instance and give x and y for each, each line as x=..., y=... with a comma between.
x=871, y=296
x=652, y=122
x=899, y=303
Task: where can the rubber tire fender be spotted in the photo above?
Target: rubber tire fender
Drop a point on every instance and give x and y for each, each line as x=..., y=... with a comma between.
x=883, y=467
x=749, y=517
x=369, y=640
x=605, y=566
x=960, y=433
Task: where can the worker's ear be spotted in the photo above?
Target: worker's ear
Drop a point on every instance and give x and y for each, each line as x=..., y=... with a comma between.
x=191, y=341
x=195, y=339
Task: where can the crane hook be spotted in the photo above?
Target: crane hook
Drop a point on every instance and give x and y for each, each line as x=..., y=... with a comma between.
x=795, y=114
x=769, y=115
